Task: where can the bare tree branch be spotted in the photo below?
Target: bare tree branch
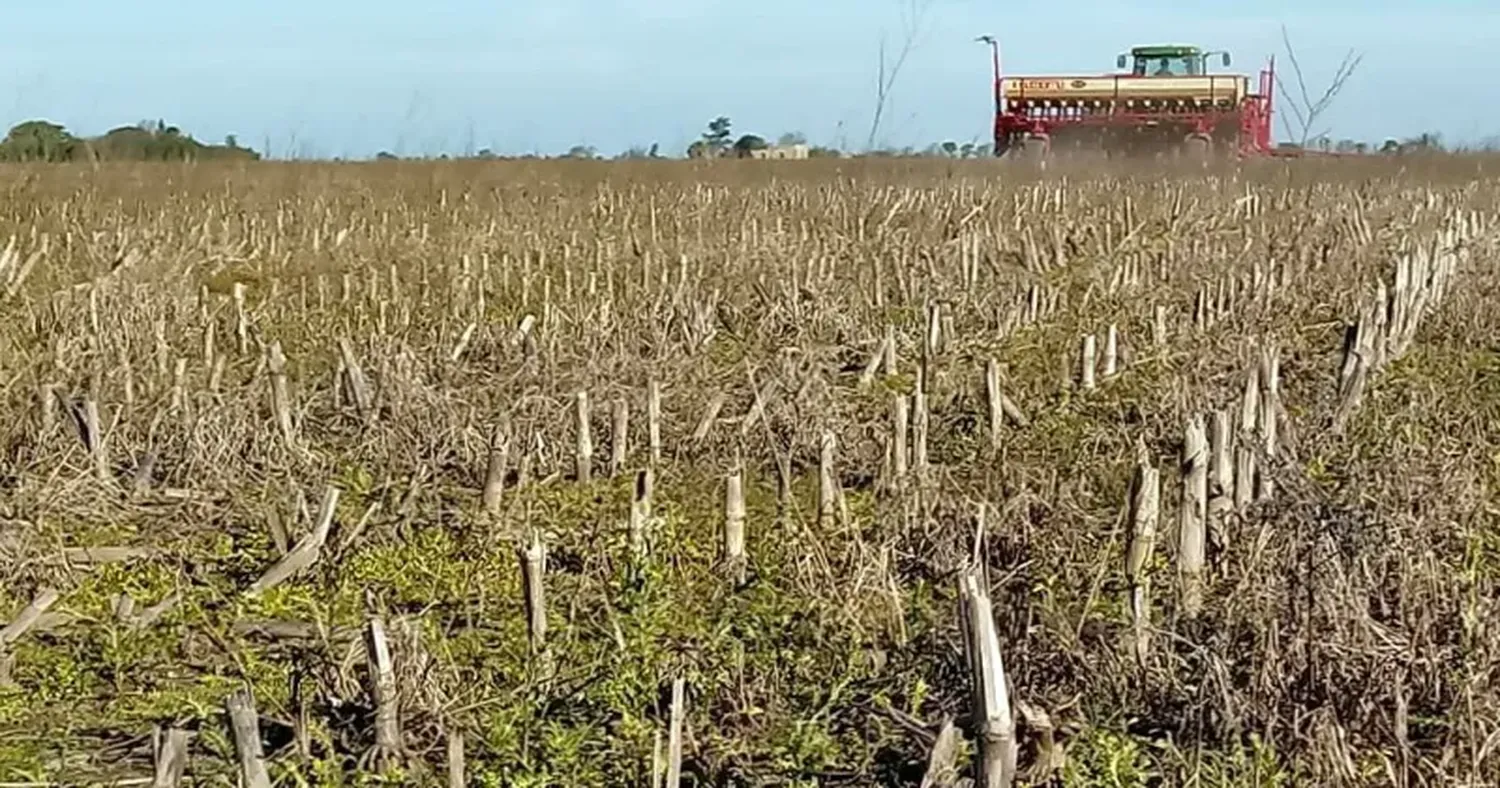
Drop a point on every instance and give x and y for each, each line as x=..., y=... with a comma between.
x=885, y=80
x=1307, y=110
x=1291, y=132
x=1291, y=54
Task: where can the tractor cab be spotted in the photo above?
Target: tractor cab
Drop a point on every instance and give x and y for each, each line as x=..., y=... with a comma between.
x=1168, y=61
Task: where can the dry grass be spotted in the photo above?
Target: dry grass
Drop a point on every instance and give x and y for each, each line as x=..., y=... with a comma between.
x=1345, y=631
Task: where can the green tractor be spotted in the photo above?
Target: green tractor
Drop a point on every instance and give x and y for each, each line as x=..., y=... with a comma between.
x=1169, y=60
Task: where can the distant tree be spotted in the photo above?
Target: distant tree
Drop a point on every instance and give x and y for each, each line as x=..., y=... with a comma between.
x=485, y=153
x=1426, y=141
x=38, y=140
x=161, y=143
x=822, y=152
x=749, y=142
x=966, y=150
x=950, y=148
x=655, y=152
x=385, y=155
x=717, y=136
x=582, y=152
x=792, y=138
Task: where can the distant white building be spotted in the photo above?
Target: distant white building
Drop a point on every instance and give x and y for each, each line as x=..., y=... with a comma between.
x=796, y=151
x=698, y=150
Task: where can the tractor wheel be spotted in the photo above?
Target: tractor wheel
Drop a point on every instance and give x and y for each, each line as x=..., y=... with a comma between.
x=1198, y=148
x=1034, y=149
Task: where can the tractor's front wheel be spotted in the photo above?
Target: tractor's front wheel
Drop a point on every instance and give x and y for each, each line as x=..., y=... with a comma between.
x=1033, y=148
x=1198, y=148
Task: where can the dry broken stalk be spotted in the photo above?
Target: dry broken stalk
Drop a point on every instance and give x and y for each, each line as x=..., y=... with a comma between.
x=993, y=397
x=1050, y=758
x=900, y=429
x=462, y=346
x=281, y=398
x=827, y=482
x=1221, y=478
x=888, y=360
x=307, y=550
x=942, y=769
x=653, y=421
x=658, y=759
x=619, y=444
x=241, y=318
x=994, y=722
x=872, y=366
x=1359, y=350
x=388, y=752
x=456, y=760
x=1145, y=506
x=584, y=451
x=245, y=723
x=640, y=513
x=933, y=341
x=48, y=398
x=210, y=339
x=734, y=524
x=674, y=739
x=1270, y=409
x=359, y=387
x=1245, y=462
x=171, y=757
x=710, y=416
x=94, y=439
x=920, y=421
x=496, y=468
x=1111, y=351
x=533, y=574
x=1192, y=516
x=28, y=617
x=1088, y=363
x=179, y=385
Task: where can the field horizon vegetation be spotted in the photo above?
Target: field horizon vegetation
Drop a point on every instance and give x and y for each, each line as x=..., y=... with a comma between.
x=41, y=140
x=877, y=471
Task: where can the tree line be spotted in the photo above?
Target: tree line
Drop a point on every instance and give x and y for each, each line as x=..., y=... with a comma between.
x=720, y=141
x=45, y=141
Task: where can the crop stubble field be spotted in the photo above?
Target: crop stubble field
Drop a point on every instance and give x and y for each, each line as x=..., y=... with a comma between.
x=298, y=448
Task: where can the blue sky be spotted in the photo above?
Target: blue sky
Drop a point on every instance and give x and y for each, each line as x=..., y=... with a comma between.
x=346, y=78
